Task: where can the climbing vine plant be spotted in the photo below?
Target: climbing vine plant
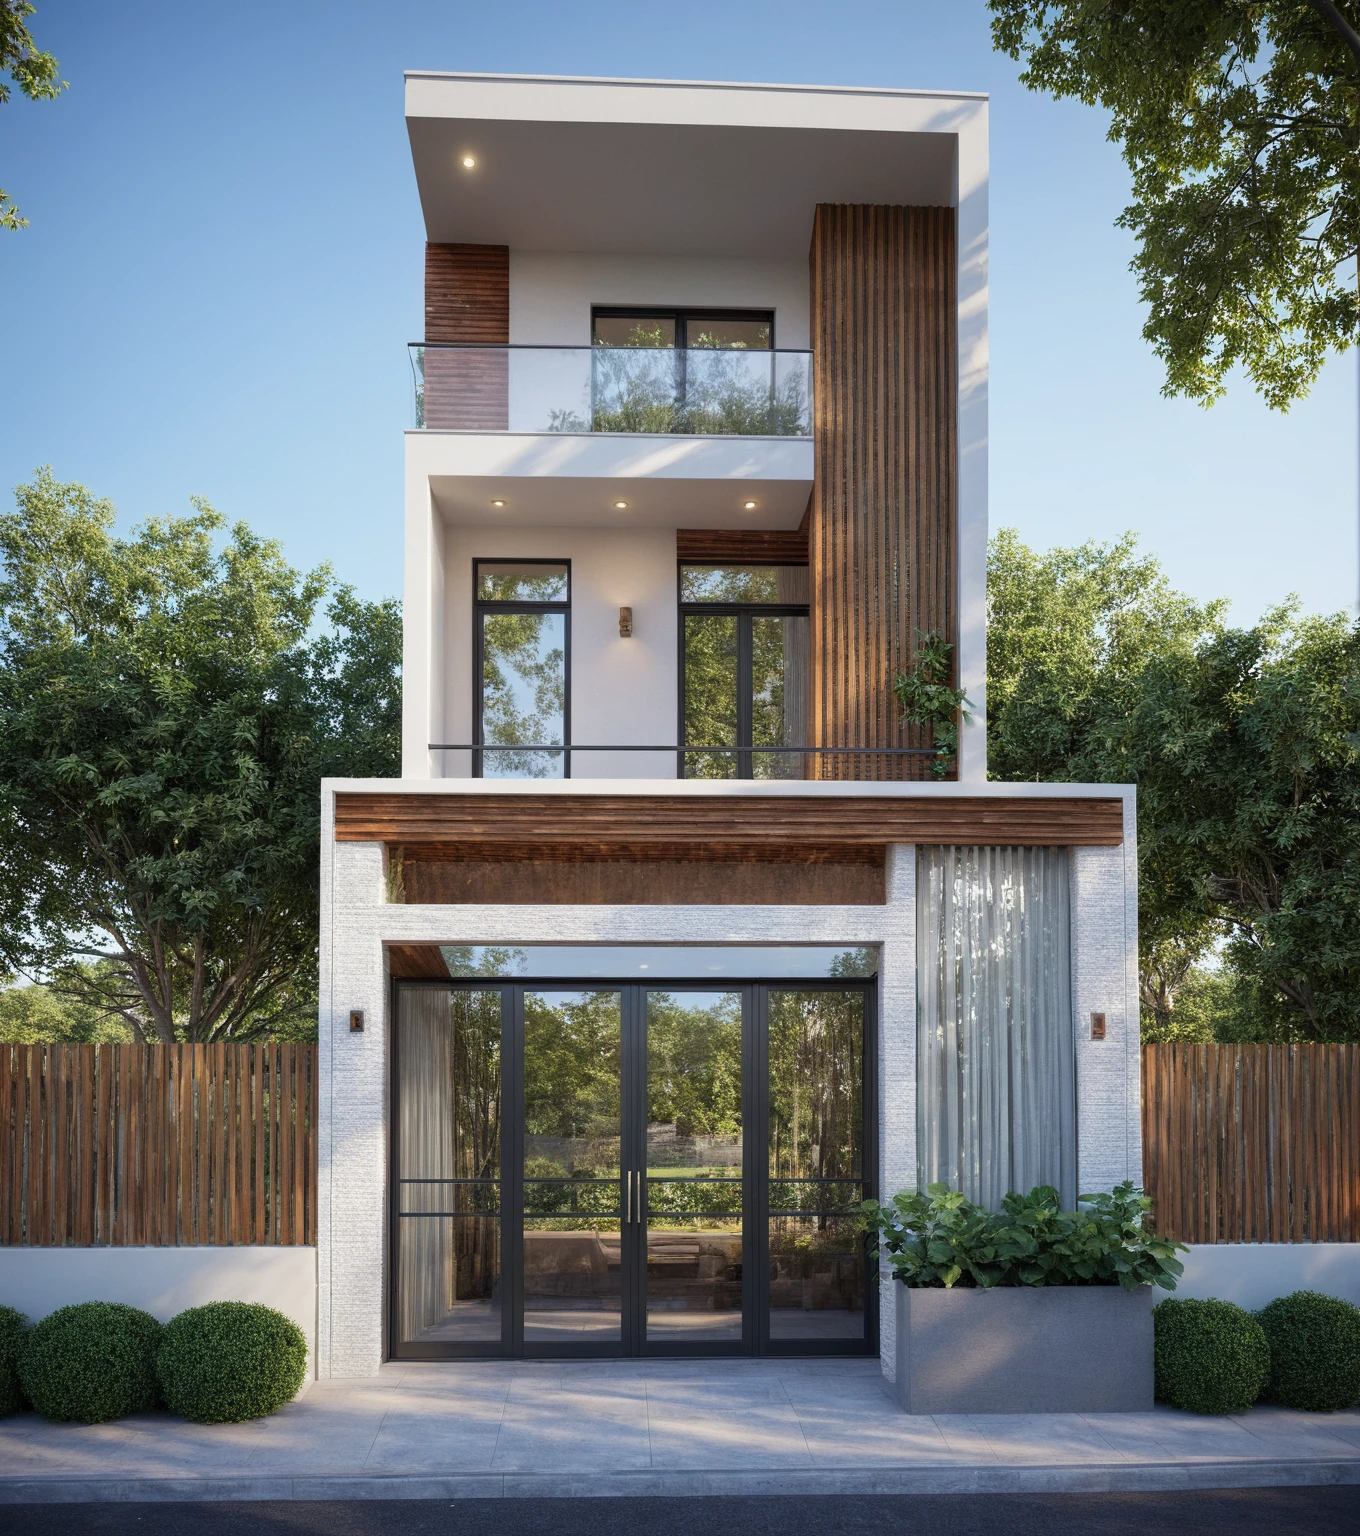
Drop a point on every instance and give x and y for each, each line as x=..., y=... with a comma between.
x=929, y=699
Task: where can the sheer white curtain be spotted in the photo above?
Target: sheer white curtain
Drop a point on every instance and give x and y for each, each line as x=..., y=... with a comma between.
x=996, y=1071
x=425, y=1139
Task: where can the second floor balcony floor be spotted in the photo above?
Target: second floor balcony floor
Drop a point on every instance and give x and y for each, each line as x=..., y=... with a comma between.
x=641, y=389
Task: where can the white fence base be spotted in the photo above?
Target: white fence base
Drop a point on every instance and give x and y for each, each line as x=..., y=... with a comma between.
x=163, y=1281
x=1252, y=1274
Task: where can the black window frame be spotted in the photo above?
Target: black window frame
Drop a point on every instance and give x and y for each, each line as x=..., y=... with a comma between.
x=756, y=1179
x=482, y=606
x=743, y=752
x=681, y=315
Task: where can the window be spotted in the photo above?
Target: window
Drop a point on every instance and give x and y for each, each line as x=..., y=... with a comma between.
x=728, y=330
x=522, y=658
x=692, y=371
x=996, y=1056
x=744, y=671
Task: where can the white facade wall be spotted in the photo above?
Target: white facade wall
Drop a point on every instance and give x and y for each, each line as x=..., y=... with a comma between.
x=551, y=294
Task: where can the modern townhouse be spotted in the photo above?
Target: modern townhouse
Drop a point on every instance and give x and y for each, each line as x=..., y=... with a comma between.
x=672, y=943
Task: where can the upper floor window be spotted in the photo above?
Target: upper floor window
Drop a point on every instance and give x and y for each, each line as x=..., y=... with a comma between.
x=729, y=330
x=744, y=671
x=522, y=653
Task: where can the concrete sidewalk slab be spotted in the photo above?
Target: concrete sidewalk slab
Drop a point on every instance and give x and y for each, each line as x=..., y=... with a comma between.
x=659, y=1428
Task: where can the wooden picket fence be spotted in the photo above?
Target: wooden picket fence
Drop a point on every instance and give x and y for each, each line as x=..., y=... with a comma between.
x=1253, y=1143
x=125, y=1145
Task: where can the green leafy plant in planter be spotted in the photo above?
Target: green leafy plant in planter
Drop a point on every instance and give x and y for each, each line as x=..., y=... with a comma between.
x=1208, y=1356
x=1314, y=1351
x=91, y=1362
x=229, y=1361
x=13, y=1326
x=941, y=1238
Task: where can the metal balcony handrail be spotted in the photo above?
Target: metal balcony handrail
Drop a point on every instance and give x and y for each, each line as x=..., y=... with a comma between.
x=585, y=346
x=558, y=746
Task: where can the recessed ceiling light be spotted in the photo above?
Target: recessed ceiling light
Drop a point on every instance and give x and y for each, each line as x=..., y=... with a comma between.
x=498, y=503
x=749, y=505
x=469, y=162
x=621, y=506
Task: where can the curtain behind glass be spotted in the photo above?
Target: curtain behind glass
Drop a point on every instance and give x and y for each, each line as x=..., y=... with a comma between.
x=425, y=1139
x=995, y=1094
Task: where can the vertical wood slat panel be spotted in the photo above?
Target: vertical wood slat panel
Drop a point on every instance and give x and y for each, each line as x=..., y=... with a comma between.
x=882, y=542
x=157, y=1145
x=1253, y=1143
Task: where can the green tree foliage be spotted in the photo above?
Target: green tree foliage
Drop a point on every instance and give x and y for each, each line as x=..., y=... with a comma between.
x=929, y=699
x=1244, y=745
x=34, y=72
x=165, y=718
x=38, y=1015
x=1240, y=123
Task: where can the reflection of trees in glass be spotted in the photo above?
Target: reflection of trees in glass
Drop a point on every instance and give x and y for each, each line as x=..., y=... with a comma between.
x=779, y=678
x=571, y=1080
x=722, y=391
x=711, y=693
x=816, y=1046
x=694, y=1063
x=523, y=691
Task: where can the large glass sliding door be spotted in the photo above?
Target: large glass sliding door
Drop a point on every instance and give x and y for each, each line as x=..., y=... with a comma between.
x=631, y=1169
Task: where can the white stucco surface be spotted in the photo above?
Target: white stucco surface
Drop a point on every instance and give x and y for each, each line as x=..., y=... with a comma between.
x=551, y=294
x=1252, y=1274
x=162, y=1281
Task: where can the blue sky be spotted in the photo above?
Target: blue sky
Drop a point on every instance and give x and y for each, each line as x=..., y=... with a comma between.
x=224, y=265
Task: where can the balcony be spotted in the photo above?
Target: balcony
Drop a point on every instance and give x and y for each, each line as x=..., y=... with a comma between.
x=657, y=391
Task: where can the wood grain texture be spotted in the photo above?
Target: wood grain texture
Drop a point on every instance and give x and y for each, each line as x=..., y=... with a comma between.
x=644, y=882
x=409, y=962
x=884, y=502
x=1253, y=1143
x=743, y=546
x=156, y=1145
x=467, y=301
x=755, y=822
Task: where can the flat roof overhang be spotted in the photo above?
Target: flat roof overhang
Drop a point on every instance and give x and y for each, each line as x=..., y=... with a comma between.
x=667, y=167
x=549, y=479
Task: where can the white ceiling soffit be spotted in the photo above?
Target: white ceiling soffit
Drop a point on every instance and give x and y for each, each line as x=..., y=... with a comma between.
x=678, y=189
x=467, y=500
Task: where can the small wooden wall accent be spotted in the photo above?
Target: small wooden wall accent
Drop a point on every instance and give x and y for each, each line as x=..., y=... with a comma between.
x=756, y=822
x=165, y=1145
x=467, y=300
x=743, y=546
x=884, y=501
x=853, y=878
x=1253, y=1143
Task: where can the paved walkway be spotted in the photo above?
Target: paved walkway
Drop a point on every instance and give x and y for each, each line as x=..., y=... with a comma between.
x=654, y=1427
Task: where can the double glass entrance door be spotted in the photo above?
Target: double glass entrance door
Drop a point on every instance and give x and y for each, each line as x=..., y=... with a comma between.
x=632, y=1169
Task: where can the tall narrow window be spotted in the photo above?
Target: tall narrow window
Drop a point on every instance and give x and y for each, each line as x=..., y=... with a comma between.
x=996, y=1097
x=744, y=671
x=523, y=651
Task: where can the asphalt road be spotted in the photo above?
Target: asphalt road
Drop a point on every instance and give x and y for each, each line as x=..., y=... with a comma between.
x=1242, y=1512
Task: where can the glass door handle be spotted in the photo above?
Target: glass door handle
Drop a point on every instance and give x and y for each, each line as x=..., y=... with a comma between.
x=628, y=1200
x=639, y=1198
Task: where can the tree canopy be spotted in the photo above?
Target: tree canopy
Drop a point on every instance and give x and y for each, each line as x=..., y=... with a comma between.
x=166, y=715
x=1244, y=745
x=1240, y=122
x=34, y=72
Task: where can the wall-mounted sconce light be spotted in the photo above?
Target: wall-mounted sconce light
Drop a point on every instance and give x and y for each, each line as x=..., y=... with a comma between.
x=1097, y=1026
x=625, y=623
x=356, y=1021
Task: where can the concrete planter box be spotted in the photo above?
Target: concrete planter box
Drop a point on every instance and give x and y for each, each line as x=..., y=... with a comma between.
x=1027, y=1349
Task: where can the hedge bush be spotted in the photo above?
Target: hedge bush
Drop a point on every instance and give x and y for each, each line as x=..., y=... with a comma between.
x=1209, y=1356
x=91, y=1362
x=230, y=1360
x=12, y=1327
x=1314, y=1351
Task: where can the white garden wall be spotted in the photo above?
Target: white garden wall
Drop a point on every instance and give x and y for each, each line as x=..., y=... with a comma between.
x=1252, y=1274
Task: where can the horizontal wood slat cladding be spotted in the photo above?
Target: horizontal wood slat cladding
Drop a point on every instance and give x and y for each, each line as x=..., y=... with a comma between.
x=744, y=546
x=416, y=962
x=758, y=822
x=467, y=300
x=883, y=541
x=644, y=882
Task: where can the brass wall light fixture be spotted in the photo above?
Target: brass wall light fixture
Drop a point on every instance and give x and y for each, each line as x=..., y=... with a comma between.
x=625, y=623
